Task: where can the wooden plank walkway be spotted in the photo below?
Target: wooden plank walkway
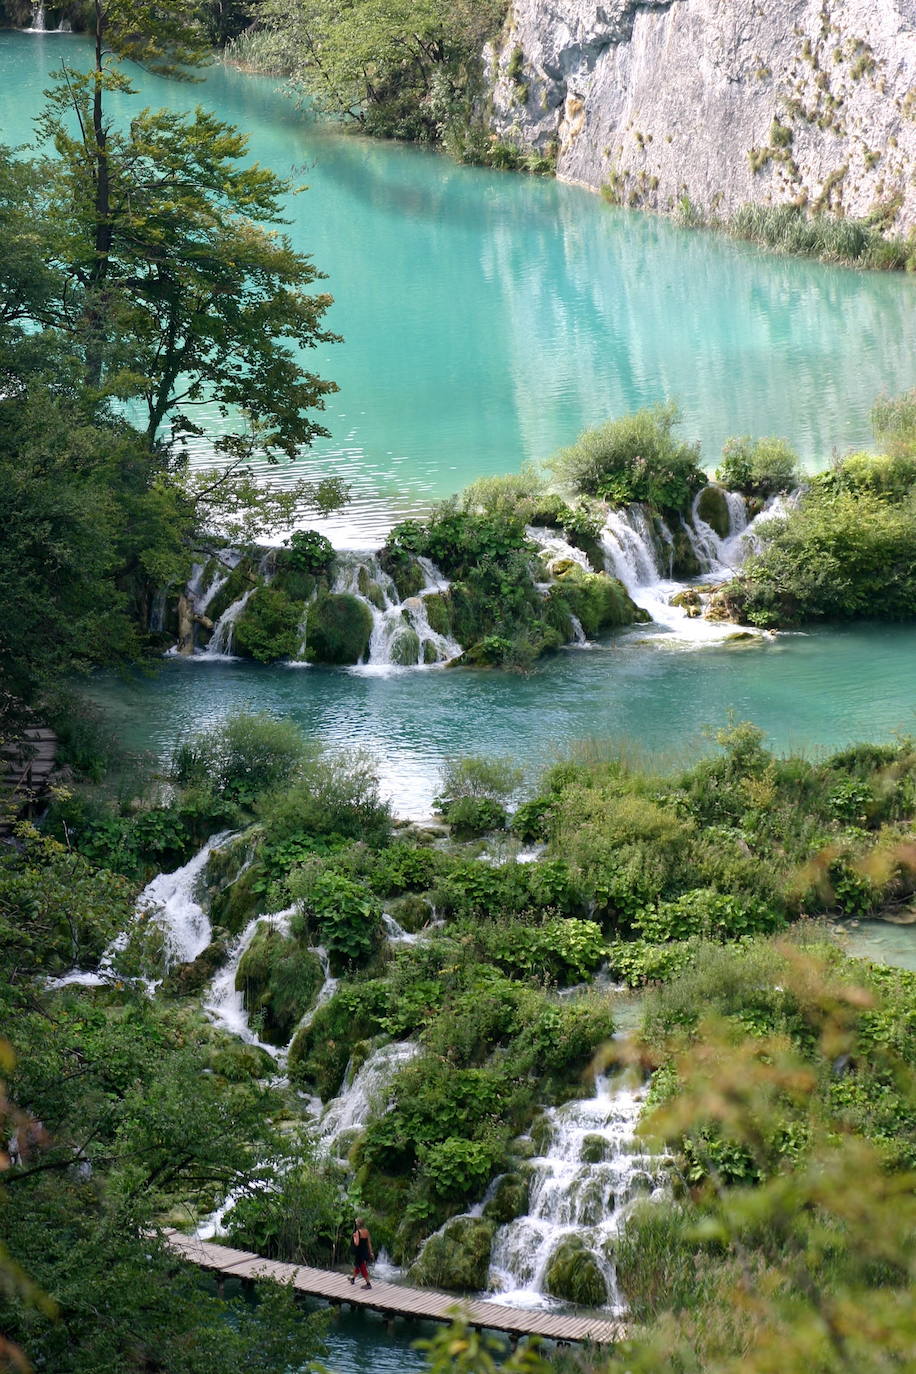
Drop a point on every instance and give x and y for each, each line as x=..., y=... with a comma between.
x=393, y=1299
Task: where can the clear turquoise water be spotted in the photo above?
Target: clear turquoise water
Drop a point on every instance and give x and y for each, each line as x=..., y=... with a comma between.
x=488, y=318
x=811, y=692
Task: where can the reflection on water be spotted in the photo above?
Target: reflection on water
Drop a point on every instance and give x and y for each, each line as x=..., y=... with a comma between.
x=881, y=941
x=489, y=318
x=808, y=692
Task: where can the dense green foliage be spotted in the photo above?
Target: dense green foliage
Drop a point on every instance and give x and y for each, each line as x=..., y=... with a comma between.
x=634, y=458
x=791, y=229
x=407, y=70
x=847, y=550
x=758, y=467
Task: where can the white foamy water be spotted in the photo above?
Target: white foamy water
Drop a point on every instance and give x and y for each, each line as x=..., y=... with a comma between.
x=364, y=1093
x=571, y=1196
x=170, y=897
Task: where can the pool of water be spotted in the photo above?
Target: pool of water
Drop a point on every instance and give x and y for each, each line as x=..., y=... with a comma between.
x=488, y=318
x=811, y=692
x=884, y=942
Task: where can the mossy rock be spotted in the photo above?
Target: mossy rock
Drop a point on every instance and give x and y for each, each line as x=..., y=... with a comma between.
x=143, y=954
x=412, y=912
x=598, y=601
x=713, y=508
x=268, y=629
x=438, y=613
x=375, y=594
x=684, y=562
x=338, y=629
x=540, y=1131
x=186, y=979
x=523, y=1148
x=279, y=981
x=509, y=1200
x=295, y=582
x=405, y=647
x=404, y=571
x=239, y=1063
x=242, y=577
x=239, y=901
x=457, y=1258
x=430, y=652
x=595, y=1149
x=688, y=600
x=574, y=1275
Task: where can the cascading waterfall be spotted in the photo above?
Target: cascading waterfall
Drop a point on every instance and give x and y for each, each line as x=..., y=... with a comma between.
x=37, y=21
x=224, y=1003
x=364, y=1092
x=633, y=550
x=583, y=1185
x=220, y=645
x=401, y=632
x=170, y=897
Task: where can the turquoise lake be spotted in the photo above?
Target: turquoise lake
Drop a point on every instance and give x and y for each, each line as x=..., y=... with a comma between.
x=488, y=318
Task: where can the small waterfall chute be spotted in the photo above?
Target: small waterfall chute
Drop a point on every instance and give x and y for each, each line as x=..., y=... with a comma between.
x=37, y=22
x=220, y=645
x=365, y=1091
x=224, y=1003
x=171, y=898
x=581, y=1187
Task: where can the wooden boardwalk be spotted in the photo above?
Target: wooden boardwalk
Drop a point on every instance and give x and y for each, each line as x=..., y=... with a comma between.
x=393, y=1299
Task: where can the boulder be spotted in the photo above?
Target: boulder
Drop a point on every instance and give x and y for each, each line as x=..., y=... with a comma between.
x=509, y=1200
x=713, y=508
x=457, y=1257
x=338, y=629
x=573, y=1274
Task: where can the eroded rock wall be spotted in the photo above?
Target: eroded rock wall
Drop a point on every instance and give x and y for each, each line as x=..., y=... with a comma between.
x=725, y=102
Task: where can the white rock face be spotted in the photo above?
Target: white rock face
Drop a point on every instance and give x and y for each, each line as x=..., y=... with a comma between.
x=725, y=102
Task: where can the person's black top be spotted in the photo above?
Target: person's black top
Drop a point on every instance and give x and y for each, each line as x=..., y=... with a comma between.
x=361, y=1249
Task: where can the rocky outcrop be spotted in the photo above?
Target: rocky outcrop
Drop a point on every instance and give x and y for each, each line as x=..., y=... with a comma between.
x=718, y=103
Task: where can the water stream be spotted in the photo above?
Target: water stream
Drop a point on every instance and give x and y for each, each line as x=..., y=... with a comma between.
x=582, y=1184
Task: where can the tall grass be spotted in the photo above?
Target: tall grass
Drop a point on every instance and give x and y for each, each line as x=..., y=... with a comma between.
x=788, y=229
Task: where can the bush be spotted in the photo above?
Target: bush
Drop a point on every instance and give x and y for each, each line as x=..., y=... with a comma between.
x=269, y=627
x=839, y=555
x=344, y=915
x=338, y=628
x=714, y=915
x=458, y=1169
x=309, y=552
x=334, y=797
x=758, y=467
x=470, y=817
x=635, y=458
x=241, y=759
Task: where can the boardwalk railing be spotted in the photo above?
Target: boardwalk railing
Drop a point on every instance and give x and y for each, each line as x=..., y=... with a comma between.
x=393, y=1299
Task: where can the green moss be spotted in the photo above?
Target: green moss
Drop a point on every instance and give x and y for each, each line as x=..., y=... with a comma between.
x=689, y=601
x=235, y=903
x=437, y=613
x=573, y=1274
x=186, y=979
x=238, y=1062
x=684, y=563
x=509, y=1200
x=404, y=571
x=279, y=981
x=338, y=631
x=237, y=583
x=713, y=508
x=457, y=1258
x=430, y=652
x=268, y=628
x=594, y=1149
x=405, y=647
x=598, y=601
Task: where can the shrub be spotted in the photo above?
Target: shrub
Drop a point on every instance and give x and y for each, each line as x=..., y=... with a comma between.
x=334, y=796
x=269, y=627
x=241, y=759
x=714, y=915
x=635, y=458
x=338, y=628
x=309, y=552
x=470, y=817
x=758, y=467
x=894, y=423
x=457, y=1169
x=344, y=915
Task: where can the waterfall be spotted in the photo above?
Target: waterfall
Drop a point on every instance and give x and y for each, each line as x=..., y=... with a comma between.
x=171, y=898
x=224, y=1003
x=583, y=1185
x=157, y=611
x=365, y=1092
x=554, y=548
x=401, y=633
x=395, y=933
x=65, y=26
x=220, y=645
x=632, y=550
x=37, y=22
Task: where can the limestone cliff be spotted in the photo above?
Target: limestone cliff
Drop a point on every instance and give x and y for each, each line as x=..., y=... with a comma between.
x=724, y=102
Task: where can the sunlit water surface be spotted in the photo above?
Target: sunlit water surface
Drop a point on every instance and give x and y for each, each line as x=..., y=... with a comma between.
x=488, y=318
x=810, y=692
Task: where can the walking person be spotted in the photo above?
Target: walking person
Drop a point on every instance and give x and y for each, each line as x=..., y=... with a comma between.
x=362, y=1252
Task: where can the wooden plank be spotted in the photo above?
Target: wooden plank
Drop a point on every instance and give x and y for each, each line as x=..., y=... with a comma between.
x=393, y=1299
